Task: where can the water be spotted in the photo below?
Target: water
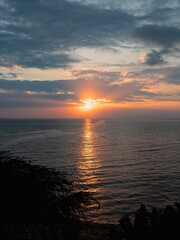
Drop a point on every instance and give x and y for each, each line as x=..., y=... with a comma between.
x=124, y=163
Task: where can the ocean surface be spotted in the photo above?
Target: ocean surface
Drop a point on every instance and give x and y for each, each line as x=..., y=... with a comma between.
x=124, y=163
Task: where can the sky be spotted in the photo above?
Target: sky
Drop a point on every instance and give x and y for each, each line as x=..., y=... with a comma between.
x=90, y=58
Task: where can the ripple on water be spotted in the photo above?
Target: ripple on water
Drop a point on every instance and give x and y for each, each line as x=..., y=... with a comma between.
x=124, y=163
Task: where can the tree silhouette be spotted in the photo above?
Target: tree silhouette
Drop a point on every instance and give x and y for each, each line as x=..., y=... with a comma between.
x=33, y=195
x=153, y=225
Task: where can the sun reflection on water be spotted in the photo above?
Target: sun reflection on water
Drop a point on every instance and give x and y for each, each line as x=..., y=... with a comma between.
x=89, y=164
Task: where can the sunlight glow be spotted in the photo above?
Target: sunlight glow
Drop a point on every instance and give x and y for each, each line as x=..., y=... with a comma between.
x=89, y=104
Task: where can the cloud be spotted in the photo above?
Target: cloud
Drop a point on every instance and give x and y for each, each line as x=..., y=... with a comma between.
x=152, y=58
x=1, y=75
x=111, y=86
x=137, y=6
x=114, y=86
x=165, y=36
x=170, y=75
x=41, y=34
x=162, y=14
x=95, y=75
x=28, y=59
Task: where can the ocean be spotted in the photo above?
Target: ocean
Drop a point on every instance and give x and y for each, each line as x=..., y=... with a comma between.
x=124, y=163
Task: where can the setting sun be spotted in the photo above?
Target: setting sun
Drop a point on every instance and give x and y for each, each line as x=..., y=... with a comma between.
x=89, y=104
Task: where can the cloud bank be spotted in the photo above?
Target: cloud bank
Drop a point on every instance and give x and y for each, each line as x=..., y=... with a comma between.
x=116, y=87
x=41, y=34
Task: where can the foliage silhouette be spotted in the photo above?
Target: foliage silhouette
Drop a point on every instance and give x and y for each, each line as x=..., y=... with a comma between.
x=38, y=200
x=151, y=225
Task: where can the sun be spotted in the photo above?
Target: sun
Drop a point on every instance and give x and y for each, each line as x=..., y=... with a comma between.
x=89, y=104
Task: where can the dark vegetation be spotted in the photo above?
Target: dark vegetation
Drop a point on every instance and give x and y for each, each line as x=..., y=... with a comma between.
x=39, y=203
x=150, y=225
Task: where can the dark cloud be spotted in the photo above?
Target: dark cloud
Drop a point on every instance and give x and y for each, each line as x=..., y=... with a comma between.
x=152, y=58
x=13, y=75
x=1, y=74
x=137, y=6
x=16, y=93
x=37, y=86
x=35, y=100
x=40, y=33
x=165, y=36
x=29, y=59
x=161, y=14
x=14, y=100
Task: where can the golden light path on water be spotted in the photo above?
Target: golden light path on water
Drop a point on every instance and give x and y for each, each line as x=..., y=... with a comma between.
x=89, y=164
